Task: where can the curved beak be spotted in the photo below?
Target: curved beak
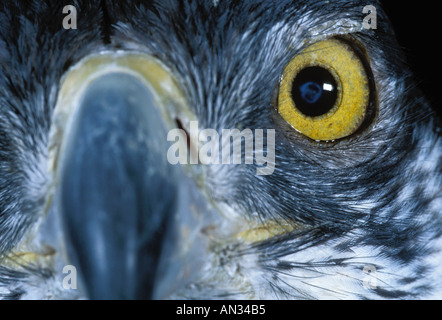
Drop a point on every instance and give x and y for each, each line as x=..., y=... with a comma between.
x=118, y=195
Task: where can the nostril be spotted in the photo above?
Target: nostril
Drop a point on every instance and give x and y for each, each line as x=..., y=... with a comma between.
x=180, y=126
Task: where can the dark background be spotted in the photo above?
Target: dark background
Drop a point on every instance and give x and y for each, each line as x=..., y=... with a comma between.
x=418, y=27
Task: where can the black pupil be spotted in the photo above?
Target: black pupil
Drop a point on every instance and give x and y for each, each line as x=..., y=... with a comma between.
x=314, y=91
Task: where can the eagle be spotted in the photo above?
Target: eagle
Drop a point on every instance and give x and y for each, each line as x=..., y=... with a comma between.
x=106, y=192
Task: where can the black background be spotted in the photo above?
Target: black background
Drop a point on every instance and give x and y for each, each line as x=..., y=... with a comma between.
x=418, y=26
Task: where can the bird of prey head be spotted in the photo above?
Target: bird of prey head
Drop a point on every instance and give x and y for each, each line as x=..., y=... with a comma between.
x=92, y=207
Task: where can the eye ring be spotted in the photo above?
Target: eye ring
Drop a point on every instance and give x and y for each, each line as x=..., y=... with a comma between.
x=353, y=91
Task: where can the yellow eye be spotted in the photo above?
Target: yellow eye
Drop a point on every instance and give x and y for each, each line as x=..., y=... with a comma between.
x=325, y=91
